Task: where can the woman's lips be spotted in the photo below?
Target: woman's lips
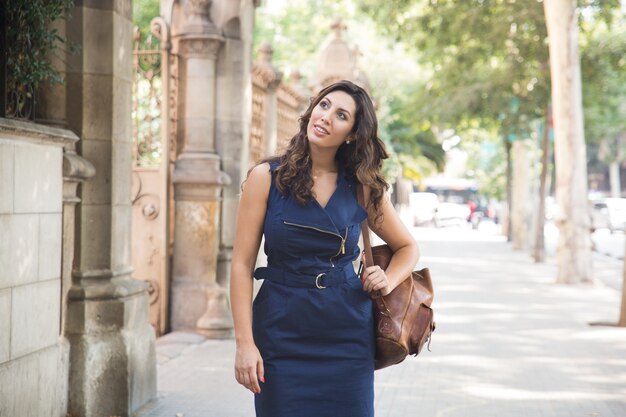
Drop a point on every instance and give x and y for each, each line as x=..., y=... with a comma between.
x=320, y=130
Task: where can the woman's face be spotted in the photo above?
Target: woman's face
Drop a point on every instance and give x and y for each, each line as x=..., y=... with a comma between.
x=332, y=120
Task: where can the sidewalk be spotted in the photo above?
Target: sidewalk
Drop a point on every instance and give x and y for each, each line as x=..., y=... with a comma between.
x=509, y=343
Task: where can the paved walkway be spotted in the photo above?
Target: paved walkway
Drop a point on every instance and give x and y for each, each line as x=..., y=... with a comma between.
x=509, y=342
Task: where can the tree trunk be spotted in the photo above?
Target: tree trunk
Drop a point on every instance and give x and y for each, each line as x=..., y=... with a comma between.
x=622, y=314
x=574, y=248
x=540, y=252
x=506, y=220
x=614, y=179
x=518, y=209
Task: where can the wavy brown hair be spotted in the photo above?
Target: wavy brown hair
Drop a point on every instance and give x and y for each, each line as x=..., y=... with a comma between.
x=361, y=159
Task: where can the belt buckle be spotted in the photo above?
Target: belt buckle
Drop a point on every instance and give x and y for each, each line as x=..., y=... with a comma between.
x=317, y=281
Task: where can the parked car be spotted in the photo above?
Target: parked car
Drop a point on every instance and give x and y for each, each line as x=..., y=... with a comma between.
x=608, y=213
x=423, y=206
x=449, y=213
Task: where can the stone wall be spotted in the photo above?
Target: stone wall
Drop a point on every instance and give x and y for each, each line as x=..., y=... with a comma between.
x=33, y=356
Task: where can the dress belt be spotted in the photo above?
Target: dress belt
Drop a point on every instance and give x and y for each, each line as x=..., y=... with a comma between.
x=329, y=278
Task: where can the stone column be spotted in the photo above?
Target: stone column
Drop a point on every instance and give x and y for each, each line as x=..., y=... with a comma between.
x=273, y=78
x=76, y=170
x=234, y=115
x=112, y=354
x=197, y=299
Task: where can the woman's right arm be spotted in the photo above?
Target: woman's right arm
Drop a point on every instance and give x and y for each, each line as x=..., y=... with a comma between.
x=250, y=219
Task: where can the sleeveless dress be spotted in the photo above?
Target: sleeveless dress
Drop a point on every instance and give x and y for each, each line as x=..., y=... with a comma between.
x=311, y=319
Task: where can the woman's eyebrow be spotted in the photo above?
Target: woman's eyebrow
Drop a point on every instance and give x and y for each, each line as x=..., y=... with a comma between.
x=344, y=110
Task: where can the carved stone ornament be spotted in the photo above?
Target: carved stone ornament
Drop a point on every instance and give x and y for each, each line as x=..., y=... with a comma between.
x=264, y=71
x=197, y=9
x=204, y=47
x=197, y=19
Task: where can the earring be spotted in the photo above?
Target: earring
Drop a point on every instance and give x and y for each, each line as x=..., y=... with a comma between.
x=347, y=142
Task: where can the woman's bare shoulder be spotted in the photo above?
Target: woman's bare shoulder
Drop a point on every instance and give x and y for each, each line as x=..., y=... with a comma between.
x=259, y=177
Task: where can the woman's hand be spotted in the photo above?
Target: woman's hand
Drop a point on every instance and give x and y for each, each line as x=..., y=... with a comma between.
x=249, y=367
x=375, y=279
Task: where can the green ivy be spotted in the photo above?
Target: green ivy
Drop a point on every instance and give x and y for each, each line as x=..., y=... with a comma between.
x=30, y=39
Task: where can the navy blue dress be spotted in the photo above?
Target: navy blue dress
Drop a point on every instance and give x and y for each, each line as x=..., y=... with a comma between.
x=311, y=319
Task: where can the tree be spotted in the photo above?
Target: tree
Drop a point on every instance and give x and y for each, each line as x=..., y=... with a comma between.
x=298, y=30
x=143, y=13
x=574, y=247
x=486, y=161
x=488, y=62
x=498, y=73
x=410, y=135
x=604, y=100
x=604, y=96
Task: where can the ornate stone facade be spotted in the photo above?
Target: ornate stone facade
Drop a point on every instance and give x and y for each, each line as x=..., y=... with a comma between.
x=77, y=340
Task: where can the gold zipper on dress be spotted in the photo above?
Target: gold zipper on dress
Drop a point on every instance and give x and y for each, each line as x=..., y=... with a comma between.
x=342, y=248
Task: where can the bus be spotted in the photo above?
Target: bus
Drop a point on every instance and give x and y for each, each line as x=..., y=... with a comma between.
x=452, y=190
x=457, y=199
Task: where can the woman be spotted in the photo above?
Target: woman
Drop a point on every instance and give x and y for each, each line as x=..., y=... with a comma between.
x=306, y=346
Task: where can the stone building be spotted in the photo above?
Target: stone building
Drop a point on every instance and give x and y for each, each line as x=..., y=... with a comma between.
x=75, y=333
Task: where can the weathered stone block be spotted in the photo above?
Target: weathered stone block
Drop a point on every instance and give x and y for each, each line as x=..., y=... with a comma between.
x=97, y=189
x=97, y=42
x=121, y=223
x=6, y=177
x=19, y=246
x=109, y=315
x=35, y=313
x=199, y=91
x=5, y=324
x=122, y=37
x=198, y=135
x=95, y=237
x=142, y=364
x=73, y=84
x=122, y=110
x=38, y=178
x=199, y=68
x=97, y=108
x=229, y=217
x=121, y=192
x=50, y=246
x=126, y=370
x=188, y=304
x=31, y=386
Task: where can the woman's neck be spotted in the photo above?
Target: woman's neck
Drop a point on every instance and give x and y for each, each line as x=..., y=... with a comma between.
x=322, y=162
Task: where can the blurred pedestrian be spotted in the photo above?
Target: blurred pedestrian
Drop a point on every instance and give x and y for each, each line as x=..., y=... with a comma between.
x=305, y=346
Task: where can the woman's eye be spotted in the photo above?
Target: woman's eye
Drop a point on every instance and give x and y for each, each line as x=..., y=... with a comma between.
x=342, y=116
x=323, y=104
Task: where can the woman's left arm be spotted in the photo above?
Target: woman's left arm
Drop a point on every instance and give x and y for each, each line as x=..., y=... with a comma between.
x=405, y=250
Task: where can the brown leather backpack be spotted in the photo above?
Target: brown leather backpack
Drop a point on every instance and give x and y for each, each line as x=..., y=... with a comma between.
x=403, y=318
